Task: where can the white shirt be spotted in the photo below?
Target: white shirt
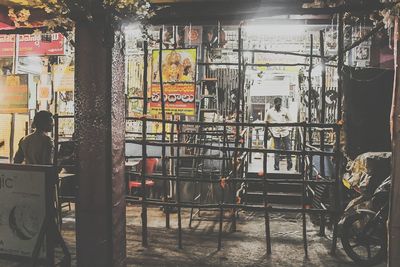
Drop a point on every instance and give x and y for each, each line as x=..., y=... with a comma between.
x=274, y=116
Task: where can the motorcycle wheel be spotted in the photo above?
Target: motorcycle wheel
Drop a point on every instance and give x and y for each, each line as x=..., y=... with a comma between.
x=365, y=249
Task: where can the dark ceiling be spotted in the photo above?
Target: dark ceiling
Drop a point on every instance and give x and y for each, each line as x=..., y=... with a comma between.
x=233, y=11
x=183, y=12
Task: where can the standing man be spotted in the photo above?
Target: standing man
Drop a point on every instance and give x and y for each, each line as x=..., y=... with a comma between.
x=37, y=147
x=277, y=114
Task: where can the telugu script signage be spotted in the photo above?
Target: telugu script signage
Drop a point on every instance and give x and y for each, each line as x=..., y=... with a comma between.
x=14, y=93
x=179, y=82
x=32, y=45
x=179, y=99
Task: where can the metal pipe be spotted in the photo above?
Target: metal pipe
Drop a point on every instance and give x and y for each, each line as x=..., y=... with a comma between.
x=240, y=149
x=337, y=132
x=323, y=100
x=56, y=139
x=144, y=146
x=230, y=179
x=222, y=186
x=323, y=116
x=278, y=52
x=237, y=136
x=265, y=195
x=303, y=191
x=225, y=206
x=163, y=121
x=178, y=188
x=286, y=124
x=310, y=85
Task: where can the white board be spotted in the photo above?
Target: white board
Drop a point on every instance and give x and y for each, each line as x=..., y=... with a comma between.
x=22, y=210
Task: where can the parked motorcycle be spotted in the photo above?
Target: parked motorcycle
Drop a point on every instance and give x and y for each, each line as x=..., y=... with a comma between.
x=364, y=236
x=363, y=224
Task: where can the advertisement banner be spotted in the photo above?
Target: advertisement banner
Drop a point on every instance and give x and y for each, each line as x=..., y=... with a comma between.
x=63, y=78
x=14, y=93
x=179, y=99
x=22, y=210
x=33, y=45
x=179, y=82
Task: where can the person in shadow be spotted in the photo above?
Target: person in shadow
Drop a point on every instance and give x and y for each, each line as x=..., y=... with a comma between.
x=37, y=147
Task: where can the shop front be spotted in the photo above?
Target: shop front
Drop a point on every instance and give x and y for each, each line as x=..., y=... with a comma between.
x=37, y=74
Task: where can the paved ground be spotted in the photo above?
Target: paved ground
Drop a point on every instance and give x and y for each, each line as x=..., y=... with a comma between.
x=246, y=247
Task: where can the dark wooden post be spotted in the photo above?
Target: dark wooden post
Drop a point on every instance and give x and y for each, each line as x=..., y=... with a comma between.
x=394, y=216
x=100, y=130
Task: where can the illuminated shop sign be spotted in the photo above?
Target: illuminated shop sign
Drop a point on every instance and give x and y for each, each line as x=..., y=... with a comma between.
x=33, y=45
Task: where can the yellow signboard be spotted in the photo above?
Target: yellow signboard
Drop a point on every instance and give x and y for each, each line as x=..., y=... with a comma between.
x=14, y=93
x=179, y=81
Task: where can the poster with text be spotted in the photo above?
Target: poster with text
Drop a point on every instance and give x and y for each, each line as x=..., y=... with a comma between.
x=179, y=82
x=22, y=210
x=32, y=44
x=14, y=93
x=179, y=99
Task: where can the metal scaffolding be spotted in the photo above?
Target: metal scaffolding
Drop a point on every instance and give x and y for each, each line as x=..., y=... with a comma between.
x=236, y=154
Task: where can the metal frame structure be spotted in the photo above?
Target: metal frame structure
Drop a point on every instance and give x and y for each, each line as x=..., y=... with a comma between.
x=230, y=175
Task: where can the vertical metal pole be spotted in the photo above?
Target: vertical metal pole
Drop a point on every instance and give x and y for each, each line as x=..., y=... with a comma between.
x=56, y=140
x=323, y=119
x=222, y=186
x=12, y=135
x=337, y=195
x=175, y=32
x=323, y=102
x=16, y=54
x=340, y=64
x=265, y=195
x=242, y=93
x=310, y=167
x=144, y=146
x=237, y=134
x=55, y=100
x=304, y=188
x=310, y=86
x=178, y=190
x=171, y=160
x=163, y=151
x=14, y=71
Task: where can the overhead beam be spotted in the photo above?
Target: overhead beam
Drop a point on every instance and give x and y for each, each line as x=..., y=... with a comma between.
x=200, y=12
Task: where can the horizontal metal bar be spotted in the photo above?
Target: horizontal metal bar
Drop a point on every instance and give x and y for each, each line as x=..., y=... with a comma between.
x=241, y=149
x=217, y=63
x=275, y=64
x=204, y=124
x=64, y=116
x=277, y=52
x=228, y=179
x=136, y=97
x=131, y=199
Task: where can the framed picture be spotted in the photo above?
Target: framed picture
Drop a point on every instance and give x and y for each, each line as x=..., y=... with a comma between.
x=362, y=53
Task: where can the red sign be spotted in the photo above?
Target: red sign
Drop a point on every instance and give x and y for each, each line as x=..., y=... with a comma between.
x=179, y=99
x=32, y=45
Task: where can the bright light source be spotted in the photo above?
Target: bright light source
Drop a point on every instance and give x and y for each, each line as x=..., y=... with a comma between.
x=275, y=29
x=132, y=29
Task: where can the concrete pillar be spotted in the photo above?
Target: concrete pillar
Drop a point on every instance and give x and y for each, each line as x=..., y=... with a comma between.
x=100, y=129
